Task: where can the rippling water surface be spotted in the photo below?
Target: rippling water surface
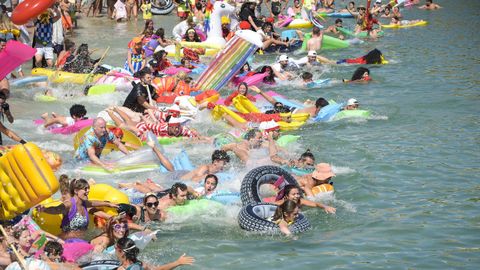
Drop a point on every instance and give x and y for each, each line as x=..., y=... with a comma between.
x=407, y=185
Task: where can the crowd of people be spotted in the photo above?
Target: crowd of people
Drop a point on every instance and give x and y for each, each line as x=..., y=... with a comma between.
x=146, y=59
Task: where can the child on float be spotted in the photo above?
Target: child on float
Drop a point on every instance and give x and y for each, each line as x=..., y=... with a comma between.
x=77, y=113
x=396, y=21
x=293, y=193
x=127, y=253
x=285, y=215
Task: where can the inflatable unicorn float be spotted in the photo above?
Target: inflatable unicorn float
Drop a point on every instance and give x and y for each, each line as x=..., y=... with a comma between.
x=214, y=42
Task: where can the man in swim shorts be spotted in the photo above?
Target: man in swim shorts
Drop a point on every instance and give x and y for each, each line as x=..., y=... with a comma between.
x=94, y=141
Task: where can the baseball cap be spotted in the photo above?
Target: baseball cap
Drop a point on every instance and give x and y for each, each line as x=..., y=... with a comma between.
x=312, y=53
x=283, y=57
x=352, y=101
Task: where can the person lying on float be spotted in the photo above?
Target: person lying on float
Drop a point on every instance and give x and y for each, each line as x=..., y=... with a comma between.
x=94, y=141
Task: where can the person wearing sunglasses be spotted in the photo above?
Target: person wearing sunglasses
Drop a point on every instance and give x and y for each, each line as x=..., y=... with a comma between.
x=127, y=253
x=149, y=211
x=117, y=228
x=75, y=211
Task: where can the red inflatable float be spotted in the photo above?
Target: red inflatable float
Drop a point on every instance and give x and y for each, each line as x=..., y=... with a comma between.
x=29, y=9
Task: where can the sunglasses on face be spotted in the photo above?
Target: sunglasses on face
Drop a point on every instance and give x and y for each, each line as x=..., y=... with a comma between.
x=150, y=205
x=119, y=227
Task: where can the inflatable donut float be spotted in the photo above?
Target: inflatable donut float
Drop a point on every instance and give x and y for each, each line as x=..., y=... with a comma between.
x=255, y=217
x=249, y=190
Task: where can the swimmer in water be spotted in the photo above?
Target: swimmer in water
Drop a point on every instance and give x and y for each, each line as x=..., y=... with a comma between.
x=429, y=5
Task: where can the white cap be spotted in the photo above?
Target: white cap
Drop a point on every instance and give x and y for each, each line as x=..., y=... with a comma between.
x=269, y=126
x=378, y=1
x=174, y=108
x=176, y=120
x=283, y=57
x=312, y=53
x=351, y=102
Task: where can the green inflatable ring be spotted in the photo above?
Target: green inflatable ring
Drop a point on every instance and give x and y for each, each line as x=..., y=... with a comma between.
x=328, y=42
x=194, y=206
x=352, y=114
x=360, y=35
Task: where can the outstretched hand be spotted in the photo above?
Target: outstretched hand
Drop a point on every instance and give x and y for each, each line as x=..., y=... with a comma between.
x=185, y=260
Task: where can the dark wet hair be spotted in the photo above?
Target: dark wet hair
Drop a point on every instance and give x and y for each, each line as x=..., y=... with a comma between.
x=320, y=103
x=246, y=63
x=128, y=247
x=220, y=155
x=69, y=44
x=53, y=247
x=307, y=75
x=316, y=30
x=78, y=110
x=175, y=187
x=307, y=154
x=3, y=96
x=159, y=55
x=267, y=24
x=160, y=33
x=338, y=21
x=374, y=57
x=142, y=73
x=147, y=22
x=358, y=74
x=77, y=184
x=82, y=49
x=251, y=134
x=212, y=176
x=288, y=188
x=198, y=6
x=285, y=208
x=270, y=78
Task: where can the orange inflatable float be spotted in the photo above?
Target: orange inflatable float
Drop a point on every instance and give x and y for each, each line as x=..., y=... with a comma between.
x=170, y=86
x=29, y=9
